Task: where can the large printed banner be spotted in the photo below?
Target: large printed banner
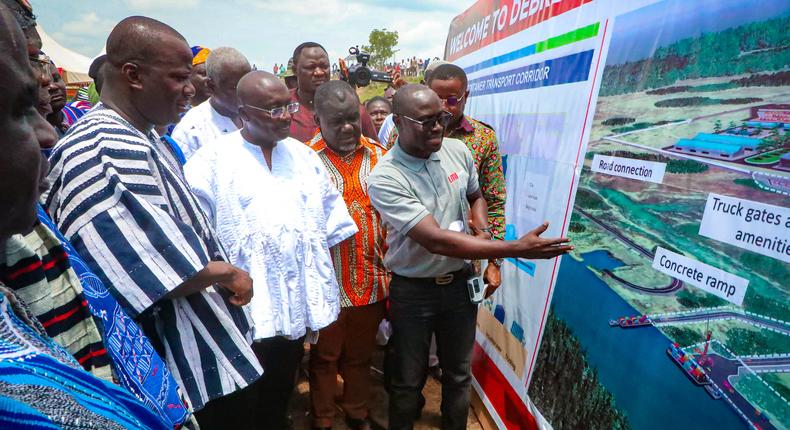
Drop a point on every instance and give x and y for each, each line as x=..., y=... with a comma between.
x=656, y=135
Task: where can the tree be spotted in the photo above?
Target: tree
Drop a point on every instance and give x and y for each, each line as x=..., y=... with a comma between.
x=382, y=46
x=717, y=126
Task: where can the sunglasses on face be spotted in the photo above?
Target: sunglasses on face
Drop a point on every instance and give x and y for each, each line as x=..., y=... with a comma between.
x=278, y=112
x=443, y=119
x=452, y=100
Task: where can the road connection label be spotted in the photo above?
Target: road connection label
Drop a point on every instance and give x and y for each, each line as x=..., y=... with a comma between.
x=708, y=278
x=631, y=168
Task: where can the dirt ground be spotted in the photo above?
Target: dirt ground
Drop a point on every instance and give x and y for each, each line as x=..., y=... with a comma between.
x=431, y=418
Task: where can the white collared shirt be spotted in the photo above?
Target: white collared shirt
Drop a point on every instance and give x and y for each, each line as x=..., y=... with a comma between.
x=200, y=126
x=278, y=225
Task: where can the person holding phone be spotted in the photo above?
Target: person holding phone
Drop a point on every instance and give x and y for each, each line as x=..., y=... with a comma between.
x=427, y=192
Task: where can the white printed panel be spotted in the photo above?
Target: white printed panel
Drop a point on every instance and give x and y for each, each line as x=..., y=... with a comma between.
x=703, y=276
x=631, y=168
x=758, y=227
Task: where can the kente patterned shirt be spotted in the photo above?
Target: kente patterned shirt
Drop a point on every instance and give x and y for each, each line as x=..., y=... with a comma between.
x=119, y=196
x=481, y=140
x=359, y=261
x=37, y=268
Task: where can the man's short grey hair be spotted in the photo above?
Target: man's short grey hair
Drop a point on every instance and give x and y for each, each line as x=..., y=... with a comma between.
x=220, y=58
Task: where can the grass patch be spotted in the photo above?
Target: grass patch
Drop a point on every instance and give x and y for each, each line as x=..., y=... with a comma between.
x=758, y=394
x=768, y=157
x=633, y=127
x=743, y=341
x=713, y=87
x=780, y=382
x=749, y=183
x=704, y=300
x=704, y=101
x=682, y=335
x=377, y=88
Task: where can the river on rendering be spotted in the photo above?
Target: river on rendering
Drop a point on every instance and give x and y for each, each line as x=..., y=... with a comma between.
x=632, y=363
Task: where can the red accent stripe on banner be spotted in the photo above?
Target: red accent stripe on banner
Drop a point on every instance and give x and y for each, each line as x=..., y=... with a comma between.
x=508, y=404
x=463, y=26
x=568, y=204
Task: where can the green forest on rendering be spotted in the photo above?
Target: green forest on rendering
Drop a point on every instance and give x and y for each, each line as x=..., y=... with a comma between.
x=750, y=48
x=566, y=389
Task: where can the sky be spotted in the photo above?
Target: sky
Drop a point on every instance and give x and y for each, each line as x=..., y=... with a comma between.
x=265, y=31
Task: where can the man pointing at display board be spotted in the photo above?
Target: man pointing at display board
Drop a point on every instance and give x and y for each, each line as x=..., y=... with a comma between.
x=426, y=190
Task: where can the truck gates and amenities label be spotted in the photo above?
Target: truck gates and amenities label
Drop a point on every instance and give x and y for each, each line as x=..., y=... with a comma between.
x=758, y=227
x=711, y=279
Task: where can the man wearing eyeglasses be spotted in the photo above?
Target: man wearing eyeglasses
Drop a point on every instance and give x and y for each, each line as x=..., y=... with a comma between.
x=311, y=67
x=449, y=82
x=426, y=189
x=204, y=123
x=270, y=200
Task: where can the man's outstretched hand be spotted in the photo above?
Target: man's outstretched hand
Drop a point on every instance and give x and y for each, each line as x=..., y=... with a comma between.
x=532, y=246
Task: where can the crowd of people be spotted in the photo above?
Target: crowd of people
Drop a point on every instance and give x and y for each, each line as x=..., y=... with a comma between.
x=411, y=67
x=167, y=250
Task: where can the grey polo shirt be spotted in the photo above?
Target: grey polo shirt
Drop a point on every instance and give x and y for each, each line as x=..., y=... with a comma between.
x=406, y=189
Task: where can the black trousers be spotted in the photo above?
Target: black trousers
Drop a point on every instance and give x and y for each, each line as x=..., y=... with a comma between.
x=280, y=359
x=418, y=309
x=234, y=411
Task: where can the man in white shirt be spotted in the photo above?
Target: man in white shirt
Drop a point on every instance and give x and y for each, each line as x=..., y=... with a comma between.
x=277, y=214
x=219, y=115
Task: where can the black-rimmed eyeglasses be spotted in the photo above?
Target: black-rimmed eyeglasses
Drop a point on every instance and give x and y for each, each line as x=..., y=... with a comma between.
x=443, y=119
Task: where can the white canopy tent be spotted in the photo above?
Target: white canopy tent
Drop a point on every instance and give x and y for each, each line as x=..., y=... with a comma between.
x=75, y=66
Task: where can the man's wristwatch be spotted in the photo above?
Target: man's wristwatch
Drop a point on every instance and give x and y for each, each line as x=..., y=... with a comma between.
x=496, y=262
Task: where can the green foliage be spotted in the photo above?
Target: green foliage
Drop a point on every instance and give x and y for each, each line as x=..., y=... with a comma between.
x=685, y=166
x=766, y=400
x=713, y=87
x=566, y=389
x=587, y=199
x=682, y=335
x=742, y=341
x=748, y=182
x=618, y=120
x=775, y=381
x=704, y=300
x=632, y=127
x=673, y=165
x=576, y=227
x=771, y=268
x=689, y=229
x=763, y=305
x=704, y=101
x=749, y=48
x=382, y=46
